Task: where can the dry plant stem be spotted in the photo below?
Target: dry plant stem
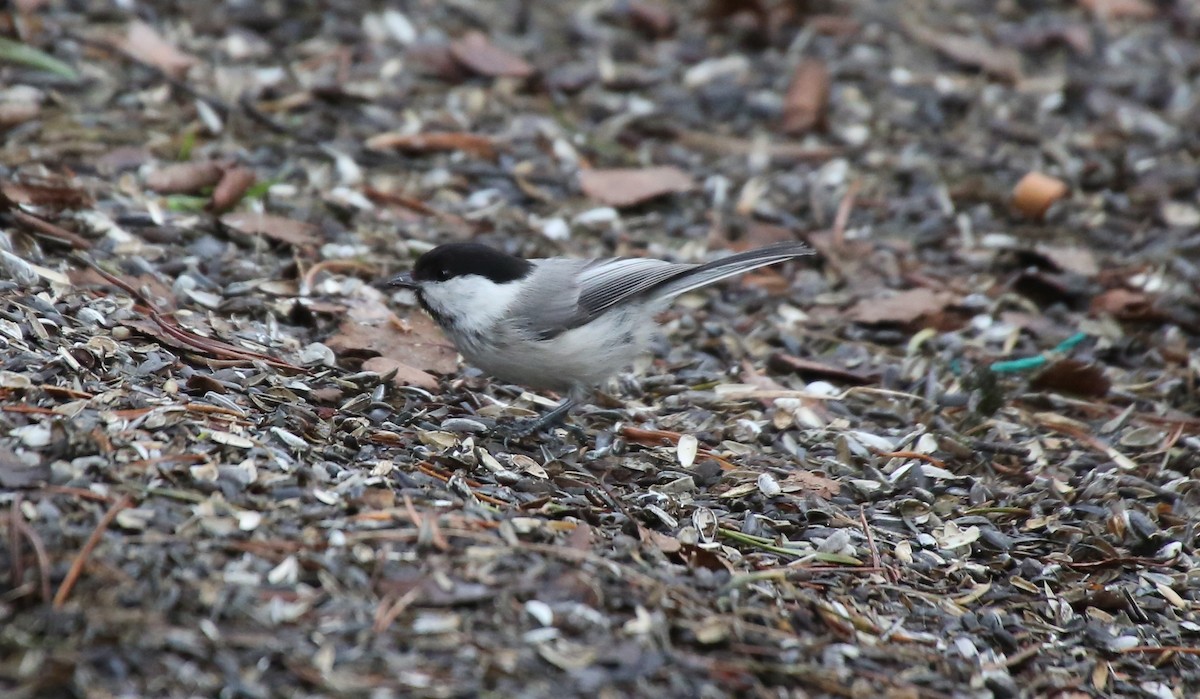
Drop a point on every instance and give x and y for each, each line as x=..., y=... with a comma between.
x=845, y=206
x=426, y=524
x=64, y=589
x=14, y=542
x=215, y=347
x=45, y=229
x=335, y=266
x=910, y=455
x=430, y=470
x=1185, y=650
x=39, y=552
x=388, y=610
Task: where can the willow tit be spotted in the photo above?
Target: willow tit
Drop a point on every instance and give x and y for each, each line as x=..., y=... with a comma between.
x=559, y=323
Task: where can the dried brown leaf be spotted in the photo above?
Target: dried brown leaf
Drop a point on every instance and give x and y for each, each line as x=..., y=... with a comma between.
x=371, y=328
x=476, y=52
x=184, y=178
x=1125, y=304
x=629, y=186
x=807, y=97
x=145, y=44
x=974, y=53
x=47, y=195
x=721, y=12
x=833, y=25
x=1120, y=9
x=405, y=374
x=233, y=185
x=479, y=146
x=902, y=308
x=1073, y=376
x=808, y=482
x=285, y=230
x=652, y=18
x=811, y=370
x=1079, y=260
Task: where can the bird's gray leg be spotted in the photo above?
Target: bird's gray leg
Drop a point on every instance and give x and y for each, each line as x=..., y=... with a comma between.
x=524, y=428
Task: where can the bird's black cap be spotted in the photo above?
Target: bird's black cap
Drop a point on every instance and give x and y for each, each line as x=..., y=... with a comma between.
x=459, y=259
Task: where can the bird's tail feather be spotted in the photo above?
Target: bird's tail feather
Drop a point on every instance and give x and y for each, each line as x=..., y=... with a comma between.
x=730, y=266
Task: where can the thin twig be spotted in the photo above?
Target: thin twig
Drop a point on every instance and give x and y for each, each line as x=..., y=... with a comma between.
x=385, y=614
x=171, y=328
x=14, y=542
x=64, y=590
x=845, y=206
x=39, y=553
x=1186, y=650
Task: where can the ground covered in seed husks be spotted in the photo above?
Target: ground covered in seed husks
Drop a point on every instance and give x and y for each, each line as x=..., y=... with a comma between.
x=952, y=454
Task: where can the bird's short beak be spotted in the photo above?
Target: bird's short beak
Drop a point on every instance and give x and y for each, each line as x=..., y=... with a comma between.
x=403, y=280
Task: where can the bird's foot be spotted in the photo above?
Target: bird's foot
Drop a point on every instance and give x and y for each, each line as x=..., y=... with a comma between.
x=520, y=429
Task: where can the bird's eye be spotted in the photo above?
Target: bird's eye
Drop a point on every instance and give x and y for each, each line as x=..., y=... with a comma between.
x=443, y=274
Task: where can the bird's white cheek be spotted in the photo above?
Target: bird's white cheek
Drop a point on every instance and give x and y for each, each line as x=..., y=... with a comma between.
x=473, y=304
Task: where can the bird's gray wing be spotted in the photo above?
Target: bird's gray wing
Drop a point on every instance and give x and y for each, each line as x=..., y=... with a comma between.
x=565, y=294
x=570, y=293
x=607, y=283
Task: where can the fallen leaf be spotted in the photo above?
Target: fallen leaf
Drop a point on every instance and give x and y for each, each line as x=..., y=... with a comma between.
x=1034, y=194
x=147, y=45
x=405, y=374
x=479, y=146
x=233, y=185
x=651, y=18
x=663, y=542
x=184, y=178
x=807, y=97
x=812, y=370
x=974, y=53
x=435, y=59
x=285, y=230
x=1079, y=260
x=1124, y=304
x=629, y=186
x=722, y=12
x=1072, y=376
x=47, y=195
x=833, y=25
x=476, y=52
x=122, y=158
x=1120, y=9
x=371, y=328
x=808, y=482
x=378, y=498
x=902, y=308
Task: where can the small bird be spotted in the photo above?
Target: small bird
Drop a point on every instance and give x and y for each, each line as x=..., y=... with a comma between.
x=559, y=323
